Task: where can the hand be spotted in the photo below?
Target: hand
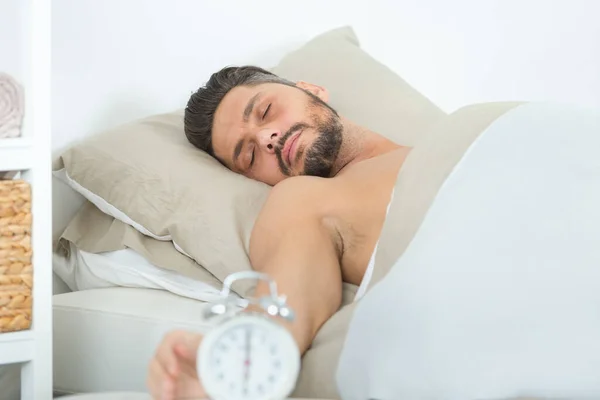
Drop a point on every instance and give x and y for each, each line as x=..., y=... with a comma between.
x=172, y=373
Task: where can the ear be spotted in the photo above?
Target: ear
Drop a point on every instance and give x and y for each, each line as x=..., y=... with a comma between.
x=318, y=91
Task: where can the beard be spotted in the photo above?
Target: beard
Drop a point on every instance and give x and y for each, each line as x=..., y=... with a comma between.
x=321, y=155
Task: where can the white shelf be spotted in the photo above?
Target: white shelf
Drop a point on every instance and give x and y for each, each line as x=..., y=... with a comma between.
x=27, y=58
x=16, y=154
x=16, y=347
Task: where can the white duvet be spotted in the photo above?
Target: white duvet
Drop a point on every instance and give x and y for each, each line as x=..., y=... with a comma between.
x=498, y=295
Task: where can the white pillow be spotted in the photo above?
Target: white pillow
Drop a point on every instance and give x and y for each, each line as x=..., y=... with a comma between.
x=82, y=270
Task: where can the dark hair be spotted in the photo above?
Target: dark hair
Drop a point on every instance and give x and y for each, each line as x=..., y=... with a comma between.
x=202, y=105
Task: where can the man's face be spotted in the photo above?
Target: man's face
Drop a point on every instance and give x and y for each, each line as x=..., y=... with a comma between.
x=271, y=131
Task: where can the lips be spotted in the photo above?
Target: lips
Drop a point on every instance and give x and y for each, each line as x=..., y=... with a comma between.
x=289, y=149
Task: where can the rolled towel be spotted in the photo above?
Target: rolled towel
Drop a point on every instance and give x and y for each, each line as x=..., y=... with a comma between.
x=11, y=106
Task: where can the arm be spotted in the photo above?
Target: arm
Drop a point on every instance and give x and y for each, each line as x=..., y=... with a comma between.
x=292, y=243
x=300, y=250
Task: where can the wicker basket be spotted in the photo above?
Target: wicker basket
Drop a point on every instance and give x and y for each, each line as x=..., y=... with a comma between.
x=16, y=272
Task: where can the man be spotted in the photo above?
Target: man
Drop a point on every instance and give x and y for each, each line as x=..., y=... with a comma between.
x=324, y=221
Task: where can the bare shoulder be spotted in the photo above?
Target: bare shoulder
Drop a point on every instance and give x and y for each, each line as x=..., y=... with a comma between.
x=295, y=204
x=296, y=198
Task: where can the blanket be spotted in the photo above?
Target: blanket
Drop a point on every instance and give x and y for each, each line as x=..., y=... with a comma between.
x=430, y=162
x=497, y=294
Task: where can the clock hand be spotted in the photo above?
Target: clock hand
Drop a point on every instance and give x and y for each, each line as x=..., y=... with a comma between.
x=247, y=361
x=249, y=350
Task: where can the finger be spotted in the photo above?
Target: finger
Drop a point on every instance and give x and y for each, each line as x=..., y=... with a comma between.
x=185, y=352
x=168, y=389
x=151, y=379
x=187, y=346
x=189, y=371
x=166, y=355
x=164, y=384
x=156, y=377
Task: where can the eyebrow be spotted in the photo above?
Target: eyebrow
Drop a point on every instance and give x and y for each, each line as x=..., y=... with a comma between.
x=247, y=113
x=250, y=106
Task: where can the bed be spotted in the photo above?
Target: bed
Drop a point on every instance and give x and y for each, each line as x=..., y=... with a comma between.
x=129, y=261
x=141, y=257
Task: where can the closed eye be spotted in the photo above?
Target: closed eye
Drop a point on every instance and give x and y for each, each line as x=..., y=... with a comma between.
x=266, y=111
x=252, y=159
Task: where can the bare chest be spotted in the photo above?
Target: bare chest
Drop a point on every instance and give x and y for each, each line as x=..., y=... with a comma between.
x=359, y=208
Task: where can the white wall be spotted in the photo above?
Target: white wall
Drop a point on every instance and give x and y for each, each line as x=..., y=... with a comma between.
x=114, y=60
x=13, y=39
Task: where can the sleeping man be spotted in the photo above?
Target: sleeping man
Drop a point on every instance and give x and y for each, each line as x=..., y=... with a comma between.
x=497, y=293
x=324, y=221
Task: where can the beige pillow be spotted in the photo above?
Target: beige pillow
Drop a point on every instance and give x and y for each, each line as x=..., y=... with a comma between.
x=147, y=175
x=154, y=179
x=361, y=88
x=93, y=231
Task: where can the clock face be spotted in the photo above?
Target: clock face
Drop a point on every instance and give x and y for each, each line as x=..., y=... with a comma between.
x=249, y=358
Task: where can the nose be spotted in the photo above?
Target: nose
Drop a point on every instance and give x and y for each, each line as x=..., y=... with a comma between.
x=267, y=139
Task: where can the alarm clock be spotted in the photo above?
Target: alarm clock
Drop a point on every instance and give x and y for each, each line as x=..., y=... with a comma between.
x=248, y=355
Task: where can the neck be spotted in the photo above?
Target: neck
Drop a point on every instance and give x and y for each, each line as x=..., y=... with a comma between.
x=360, y=144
